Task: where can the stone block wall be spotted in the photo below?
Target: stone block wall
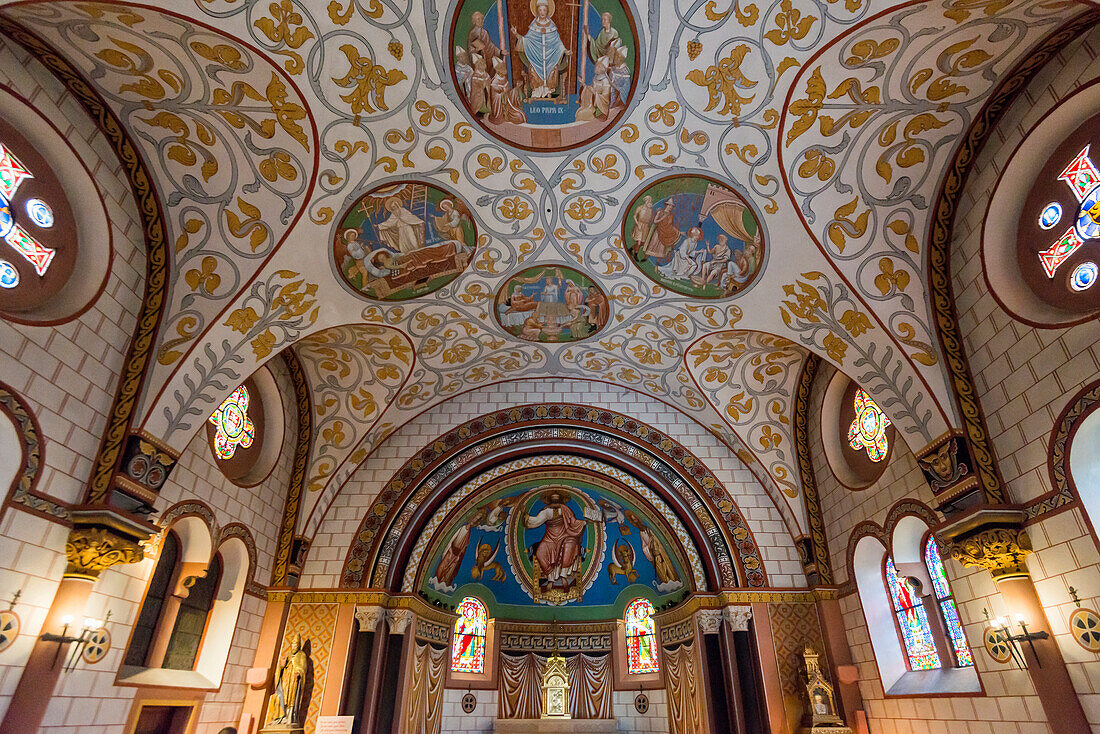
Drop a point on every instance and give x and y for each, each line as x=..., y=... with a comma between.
x=333, y=532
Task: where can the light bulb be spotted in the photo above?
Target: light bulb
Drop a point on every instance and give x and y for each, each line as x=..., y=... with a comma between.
x=1019, y=619
x=67, y=620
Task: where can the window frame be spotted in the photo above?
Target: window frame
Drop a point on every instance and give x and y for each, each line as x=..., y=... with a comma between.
x=652, y=632
x=484, y=637
x=926, y=543
x=888, y=556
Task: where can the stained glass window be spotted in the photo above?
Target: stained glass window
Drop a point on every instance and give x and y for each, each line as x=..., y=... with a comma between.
x=963, y=658
x=913, y=621
x=234, y=427
x=641, y=638
x=12, y=175
x=468, y=648
x=868, y=430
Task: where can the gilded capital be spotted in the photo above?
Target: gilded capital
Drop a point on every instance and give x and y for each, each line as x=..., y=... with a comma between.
x=92, y=550
x=1000, y=551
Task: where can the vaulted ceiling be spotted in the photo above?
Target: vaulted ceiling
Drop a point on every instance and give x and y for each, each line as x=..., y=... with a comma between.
x=262, y=122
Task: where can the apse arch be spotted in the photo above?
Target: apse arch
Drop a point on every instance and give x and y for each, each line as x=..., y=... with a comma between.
x=385, y=536
x=1074, y=468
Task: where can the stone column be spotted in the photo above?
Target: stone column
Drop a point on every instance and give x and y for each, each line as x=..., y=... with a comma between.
x=100, y=538
x=373, y=619
x=994, y=539
x=736, y=620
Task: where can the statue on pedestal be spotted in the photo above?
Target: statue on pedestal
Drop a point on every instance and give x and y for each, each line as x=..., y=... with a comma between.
x=286, y=710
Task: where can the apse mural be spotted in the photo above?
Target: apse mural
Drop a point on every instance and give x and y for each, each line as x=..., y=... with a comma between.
x=694, y=236
x=404, y=240
x=544, y=74
x=554, y=543
x=551, y=303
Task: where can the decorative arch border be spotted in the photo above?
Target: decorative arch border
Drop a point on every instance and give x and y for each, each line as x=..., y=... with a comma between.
x=22, y=492
x=218, y=535
x=302, y=448
x=1065, y=495
x=155, y=233
x=941, y=234
x=416, y=480
x=883, y=533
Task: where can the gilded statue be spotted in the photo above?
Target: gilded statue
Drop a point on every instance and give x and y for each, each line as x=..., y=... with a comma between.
x=288, y=703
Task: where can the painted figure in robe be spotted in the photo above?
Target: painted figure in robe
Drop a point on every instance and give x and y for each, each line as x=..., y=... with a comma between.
x=558, y=553
x=403, y=231
x=542, y=52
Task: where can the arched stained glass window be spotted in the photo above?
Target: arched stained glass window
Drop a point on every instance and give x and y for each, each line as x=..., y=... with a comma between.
x=641, y=638
x=234, y=427
x=912, y=620
x=963, y=658
x=868, y=430
x=468, y=647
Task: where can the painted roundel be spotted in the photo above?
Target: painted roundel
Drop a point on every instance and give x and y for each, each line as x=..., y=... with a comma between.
x=1058, y=246
x=544, y=75
x=695, y=236
x=551, y=304
x=404, y=240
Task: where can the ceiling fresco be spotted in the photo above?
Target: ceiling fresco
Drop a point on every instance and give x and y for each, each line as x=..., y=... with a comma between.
x=370, y=181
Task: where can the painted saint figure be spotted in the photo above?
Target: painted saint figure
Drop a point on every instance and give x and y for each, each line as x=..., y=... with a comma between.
x=542, y=52
x=558, y=553
x=445, y=572
x=403, y=231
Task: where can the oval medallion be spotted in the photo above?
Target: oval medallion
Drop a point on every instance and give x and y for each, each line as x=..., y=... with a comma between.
x=695, y=236
x=551, y=303
x=404, y=240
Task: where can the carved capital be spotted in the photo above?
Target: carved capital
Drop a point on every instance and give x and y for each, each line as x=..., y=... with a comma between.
x=369, y=617
x=710, y=621
x=738, y=617
x=1000, y=551
x=400, y=619
x=92, y=550
x=101, y=538
x=949, y=470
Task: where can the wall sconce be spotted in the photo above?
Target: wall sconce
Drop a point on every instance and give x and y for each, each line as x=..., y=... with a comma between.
x=1004, y=634
x=78, y=642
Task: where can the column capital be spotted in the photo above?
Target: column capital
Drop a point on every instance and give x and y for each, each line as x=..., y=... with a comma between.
x=101, y=538
x=992, y=538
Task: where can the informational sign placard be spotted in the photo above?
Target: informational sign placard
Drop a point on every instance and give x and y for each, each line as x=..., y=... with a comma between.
x=335, y=724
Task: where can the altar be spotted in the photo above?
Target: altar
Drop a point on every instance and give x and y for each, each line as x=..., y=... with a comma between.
x=554, y=726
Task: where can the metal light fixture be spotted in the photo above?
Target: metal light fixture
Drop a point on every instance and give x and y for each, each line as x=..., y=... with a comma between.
x=1004, y=634
x=78, y=642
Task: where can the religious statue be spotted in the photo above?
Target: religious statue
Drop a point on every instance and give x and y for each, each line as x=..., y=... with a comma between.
x=819, y=692
x=542, y=52
x=286, y=710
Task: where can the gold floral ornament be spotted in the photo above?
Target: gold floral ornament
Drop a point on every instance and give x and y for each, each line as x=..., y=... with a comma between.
x=367, y=81
x=285, y=28
x=790, y=25
x=204, y=277
x=724, y=80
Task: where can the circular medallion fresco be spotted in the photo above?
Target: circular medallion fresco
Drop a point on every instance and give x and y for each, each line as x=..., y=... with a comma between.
x=544, y=75
x=404, y=240
x=1058, y=243
x=551, y=303
x=695, y=236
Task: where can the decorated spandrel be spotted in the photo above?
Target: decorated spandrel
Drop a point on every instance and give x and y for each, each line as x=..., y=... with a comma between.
x=641, y=635
x=12, y=175
x=234, y=429
x=913, y=621
x=868, y=430
x=936, y=570
x=468, y=648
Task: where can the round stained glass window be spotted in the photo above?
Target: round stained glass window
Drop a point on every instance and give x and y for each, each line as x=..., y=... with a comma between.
x=9, y=276
x=855, y=432
x=241, y=431
x=1052, y=214
x=1083, y=276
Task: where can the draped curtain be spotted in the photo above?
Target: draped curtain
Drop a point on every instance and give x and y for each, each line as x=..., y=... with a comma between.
x=520, y=686
x=425, y=707
x=685, y=707
x=729, y=217
x=589, y=686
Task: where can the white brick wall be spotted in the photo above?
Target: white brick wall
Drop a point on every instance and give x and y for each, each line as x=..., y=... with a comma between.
x=629, y=720
x=456, y=721
x=334, y=532
x=69, y=373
